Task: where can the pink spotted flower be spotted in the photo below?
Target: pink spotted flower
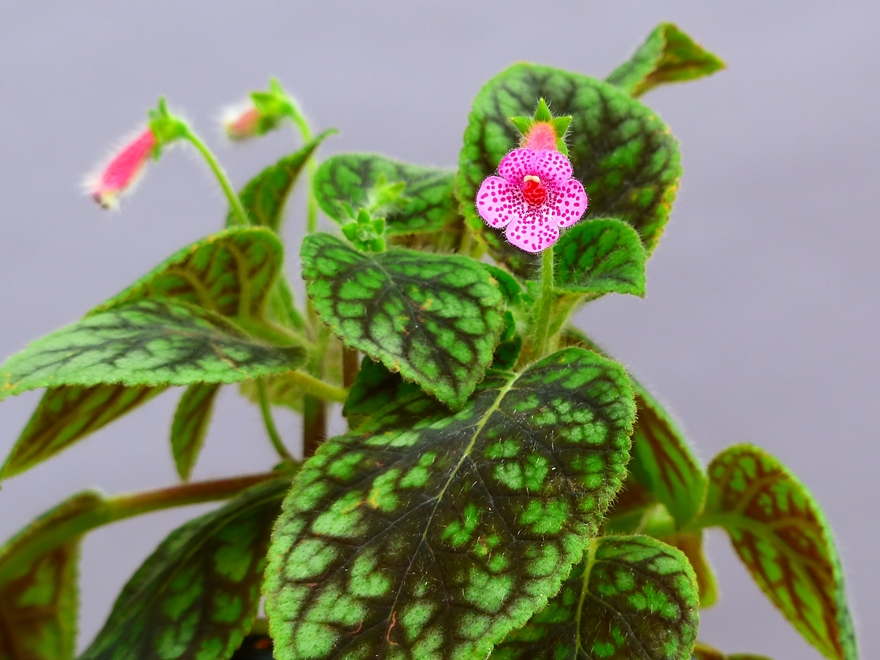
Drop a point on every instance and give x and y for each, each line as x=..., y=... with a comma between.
x=533, y=196
x=123, y=170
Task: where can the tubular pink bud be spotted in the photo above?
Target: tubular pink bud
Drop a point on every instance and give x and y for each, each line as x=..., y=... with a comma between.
x=123, y=170
x=242, y=123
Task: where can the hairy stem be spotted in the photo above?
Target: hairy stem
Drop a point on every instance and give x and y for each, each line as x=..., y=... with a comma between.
x=545, y=305
x=15, y=556
x=269, y=422
x=350, y=366
x=314, y=425
x=231, y=196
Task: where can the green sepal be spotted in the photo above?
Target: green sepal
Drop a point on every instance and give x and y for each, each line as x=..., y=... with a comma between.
x=264, y=196
x=429, y=535
x=273, y=106
x=365, y=232
x=190, y=425
x=165, y=126
x=632, y=597
x=600, y=256
x=39, y=598
x=434, y=318
x=148, y=342
x=368, y=181
x=620, y=150
x=68, y=413
x=667, y=56
x=781, y=535
x=544, y=116
x=197, y=594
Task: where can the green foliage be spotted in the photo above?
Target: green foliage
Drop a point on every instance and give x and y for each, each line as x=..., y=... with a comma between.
x=434, y=318
x=691, y=544
x=779, y=532
x=148, y=342
x=704, y=652
x=197, y=594
x=600, y=256
x=664, y=461
x=264, y=196
x=667, y=56
x=623, y=154
x=68, y=413
x=430, y=535
x=632, y=597
x=361, y=181
x=190, y=425
x=374, y=388
x=39, y=599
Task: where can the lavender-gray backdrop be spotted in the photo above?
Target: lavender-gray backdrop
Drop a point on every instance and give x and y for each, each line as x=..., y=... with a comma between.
x=761, y=320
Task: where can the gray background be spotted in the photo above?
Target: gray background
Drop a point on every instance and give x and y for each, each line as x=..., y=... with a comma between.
x=761, y=317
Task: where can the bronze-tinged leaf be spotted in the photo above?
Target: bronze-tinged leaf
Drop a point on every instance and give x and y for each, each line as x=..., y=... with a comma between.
x=781, y=535
x=190, y=425
x=667, y=56
x=39, y=599
x=705, y=652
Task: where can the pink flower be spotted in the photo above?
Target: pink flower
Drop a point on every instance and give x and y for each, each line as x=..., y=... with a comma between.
x=533, y=197
x=123, y=170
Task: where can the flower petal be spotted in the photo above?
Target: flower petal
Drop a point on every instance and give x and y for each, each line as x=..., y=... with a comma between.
x=570, y=202
x=516, y=164
x=551, y=166
x=534, y=232
x=499, y=202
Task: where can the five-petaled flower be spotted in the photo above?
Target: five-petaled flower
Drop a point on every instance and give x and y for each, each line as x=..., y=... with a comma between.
x=120, y=174
x=533, y=196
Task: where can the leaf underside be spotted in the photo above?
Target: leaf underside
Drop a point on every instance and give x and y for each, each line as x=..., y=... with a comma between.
x=632, y=597
x=429, y=203
x=228, y=273
x=434, y=318
x=264, y=196
x=621, y=151
x=667, y=56
x=39, y=599
x=197, y=594
x=705, y=652
x=190, y=425
x=148, y=342
x=425, y=535
x=781, y=535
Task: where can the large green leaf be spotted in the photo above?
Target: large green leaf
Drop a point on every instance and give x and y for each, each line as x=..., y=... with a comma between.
x=149, y=342
x=664, y=461
x=425, y=535
x=197, y=594
x=691, y=544
x=632, y=597
x=620, y=150
x=600, y=256
x=264, y=196
x=67, y=413
x=781, y=535
x=190, y=425
x=667, y=56
x=434, y=318
x=230, y=273
x=39, y=599
x=428, y=205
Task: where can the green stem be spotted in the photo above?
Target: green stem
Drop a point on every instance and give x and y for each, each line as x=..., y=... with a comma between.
x=33, y=542
x=545, y=305
x=232, y=197
x=269, y=422
x=318, y=388
x=305, y=132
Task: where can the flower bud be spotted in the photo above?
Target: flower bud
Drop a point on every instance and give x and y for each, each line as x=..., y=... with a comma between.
x=242, y=123
x=123, y=170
